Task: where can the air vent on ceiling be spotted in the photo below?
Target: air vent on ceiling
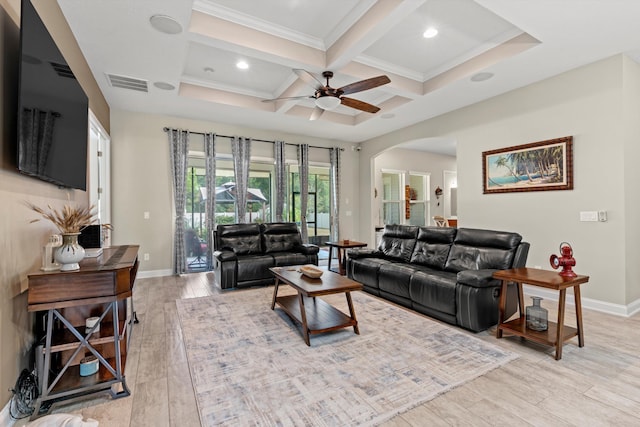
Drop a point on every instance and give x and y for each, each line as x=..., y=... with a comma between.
x=128, y=83
x=62, y=70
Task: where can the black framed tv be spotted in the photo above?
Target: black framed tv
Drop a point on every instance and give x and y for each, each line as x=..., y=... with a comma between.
x=53, y=110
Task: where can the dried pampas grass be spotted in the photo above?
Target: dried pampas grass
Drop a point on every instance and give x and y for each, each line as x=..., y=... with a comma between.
x=68, y=219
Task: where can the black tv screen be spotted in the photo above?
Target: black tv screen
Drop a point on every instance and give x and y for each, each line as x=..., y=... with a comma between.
x=53, y=110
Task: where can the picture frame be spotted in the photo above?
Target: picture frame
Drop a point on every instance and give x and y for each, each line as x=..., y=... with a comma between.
x=537, y=166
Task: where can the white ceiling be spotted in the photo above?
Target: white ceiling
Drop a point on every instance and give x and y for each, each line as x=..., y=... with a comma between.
x=519, y=41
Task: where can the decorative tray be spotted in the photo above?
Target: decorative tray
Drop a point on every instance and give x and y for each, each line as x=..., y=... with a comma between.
x=311, y=272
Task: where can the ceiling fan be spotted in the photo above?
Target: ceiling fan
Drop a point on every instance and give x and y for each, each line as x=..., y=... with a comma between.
x=328, y=98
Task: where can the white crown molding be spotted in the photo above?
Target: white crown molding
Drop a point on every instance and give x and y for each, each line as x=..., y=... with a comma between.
x=257, y=24
x=349, y=20
x=422, y=77
x=592, y=304
x=481, y=48
x=226, y=88
x=390, y=67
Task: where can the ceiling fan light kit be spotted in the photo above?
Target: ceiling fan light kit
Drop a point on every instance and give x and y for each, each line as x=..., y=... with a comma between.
x=327, y=102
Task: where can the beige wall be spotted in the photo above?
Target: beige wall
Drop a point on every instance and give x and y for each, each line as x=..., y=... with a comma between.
x=414, y=161
x=631, y=176
x=141, y=180
x=591, y=103
x=20, y=241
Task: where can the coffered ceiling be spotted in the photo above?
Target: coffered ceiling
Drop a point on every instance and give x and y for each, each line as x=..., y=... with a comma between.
x=515, y=42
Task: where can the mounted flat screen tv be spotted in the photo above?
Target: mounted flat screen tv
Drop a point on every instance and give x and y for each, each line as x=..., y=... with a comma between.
x=53, y=110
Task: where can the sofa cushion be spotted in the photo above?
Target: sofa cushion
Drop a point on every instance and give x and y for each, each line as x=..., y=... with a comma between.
x=432, y=246
x=290, y=258
x=434, y=289
x=281, y=237
x=243, y=239
x=482, y=249
x=365, y=270
x=398, y=241
x=394, y=278
x=255, y=267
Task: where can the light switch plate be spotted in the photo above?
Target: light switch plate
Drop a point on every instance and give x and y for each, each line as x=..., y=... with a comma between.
x=589, y=216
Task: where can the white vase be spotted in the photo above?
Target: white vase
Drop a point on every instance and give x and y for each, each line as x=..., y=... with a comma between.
x=70, y=253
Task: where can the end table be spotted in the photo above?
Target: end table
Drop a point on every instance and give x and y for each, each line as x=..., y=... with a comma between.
x=557, y=333
x=342, y=246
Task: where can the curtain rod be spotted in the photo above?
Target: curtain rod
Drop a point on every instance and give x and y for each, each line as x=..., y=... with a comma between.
x=166, y=129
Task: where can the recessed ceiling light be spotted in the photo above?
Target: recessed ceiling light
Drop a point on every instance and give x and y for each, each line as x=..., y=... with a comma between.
x=165, y=24
x=387, y=116
x=242, y=65
x=430, y=32
x=164, y=85
x=480, y=77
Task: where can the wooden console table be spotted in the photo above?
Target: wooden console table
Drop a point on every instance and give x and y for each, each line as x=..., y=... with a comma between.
x=102, y=287
x=557, y=333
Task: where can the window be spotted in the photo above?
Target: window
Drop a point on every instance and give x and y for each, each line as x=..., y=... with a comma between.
x=318, y=204
x=419, y=198
x=395, y=197
x=392, y=197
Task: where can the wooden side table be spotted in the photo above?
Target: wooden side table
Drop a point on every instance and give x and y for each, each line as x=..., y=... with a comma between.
x=557, y=333
x=342, y=246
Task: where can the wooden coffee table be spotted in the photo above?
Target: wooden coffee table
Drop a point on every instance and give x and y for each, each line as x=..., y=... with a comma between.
x=314, y=314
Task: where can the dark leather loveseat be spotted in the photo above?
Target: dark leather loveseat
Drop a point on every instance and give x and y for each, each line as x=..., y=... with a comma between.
x=245, y=252
x=445, y=273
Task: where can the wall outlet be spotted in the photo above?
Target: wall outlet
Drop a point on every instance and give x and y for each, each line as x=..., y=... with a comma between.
x=146, y=257
x=602, y=216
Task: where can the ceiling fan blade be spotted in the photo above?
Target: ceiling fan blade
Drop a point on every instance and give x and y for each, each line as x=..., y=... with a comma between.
x=364, y=85
x=317, y=112
x=359, y=105
x=308, y=78
x=287, y=97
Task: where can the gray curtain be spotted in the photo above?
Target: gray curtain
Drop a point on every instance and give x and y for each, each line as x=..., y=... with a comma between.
x=303, y=162
x=281, y=179
x=241, y=151
x=334, y=184
x=210, y=177
x=179, y=143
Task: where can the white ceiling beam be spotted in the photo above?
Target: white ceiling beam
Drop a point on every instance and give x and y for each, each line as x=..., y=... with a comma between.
x=375, y=23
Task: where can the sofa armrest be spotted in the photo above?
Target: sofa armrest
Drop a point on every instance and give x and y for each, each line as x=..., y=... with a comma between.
x=225, y=255
x=364, y=253
x=308, y=249
x=478, y=278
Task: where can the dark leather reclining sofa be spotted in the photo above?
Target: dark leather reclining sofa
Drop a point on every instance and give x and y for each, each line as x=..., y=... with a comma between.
x=445, y=273
x=245, y=252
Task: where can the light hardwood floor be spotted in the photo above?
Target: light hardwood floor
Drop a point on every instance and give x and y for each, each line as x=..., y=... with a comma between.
x=598, y=385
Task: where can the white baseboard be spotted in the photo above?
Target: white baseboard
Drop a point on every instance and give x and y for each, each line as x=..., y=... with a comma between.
x=592, y=304
x=5, y=416
x=154, y=273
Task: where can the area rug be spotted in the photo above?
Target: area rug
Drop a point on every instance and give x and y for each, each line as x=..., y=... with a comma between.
x=250, y=366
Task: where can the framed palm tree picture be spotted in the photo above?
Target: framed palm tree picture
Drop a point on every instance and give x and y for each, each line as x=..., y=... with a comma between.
x=538, y=166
